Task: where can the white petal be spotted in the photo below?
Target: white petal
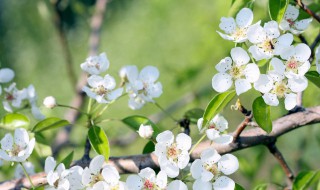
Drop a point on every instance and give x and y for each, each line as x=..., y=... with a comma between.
x=131, y=73
x=223, y=139
x=4, y=156
x=89, y=92
x=228, y=164
x=115, y=94
x=276, y=76
x=37, y=114
x=242, y=85
x=252, y=72
x=228, y=25
x=110, y=175
x=220, y=123
x=244, y=17
x=94, y=80
x=283, y=43
x=165, y=137
x=147, y=173
x=199, y=123
x=302, y=24
x=86, y=176
x=210, y=156
x=278, y=65
x=21, y=137
x=183, y=141
x=206, y=176
x=162, y=179
x=201, y=185
x=96, y=164
x=284, y=25
x=100, y=185
x=271, y=29
x=6, y=75
x=291, y=13
x=258, y=53
x=109, y=82
x=290, y=101
x=225, y=36
x=63, y=184
x=270, y=99
x=304, y=68
x=264, y=84
x=239, y=56
x=224, y=65
x=183, y=159
x=224, y=183
x=212, y=134
x=7, y=142
x=52, y=177
x=171, y=169
x=177, y=185
x=256, y=34
x=149, y=73
x=221, y=82
x=196, y=169
x=302, y=52
x=134, y=182
x=298, y=84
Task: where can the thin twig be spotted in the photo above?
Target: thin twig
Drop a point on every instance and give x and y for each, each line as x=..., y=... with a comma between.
x=313, y=46
x=307, y=10
x=241, y=127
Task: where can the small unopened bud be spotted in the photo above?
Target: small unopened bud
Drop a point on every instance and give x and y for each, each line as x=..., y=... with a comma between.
x=50, y=102
x=145, y=131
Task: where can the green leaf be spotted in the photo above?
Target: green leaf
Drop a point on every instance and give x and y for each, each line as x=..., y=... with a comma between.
x=237, y=5
x=99, y=141
x=148, y=148
x=12, y=121
x=40, y=138
x=305, y=179
x=238, y=187
x=261, y=187
x=68, y=160
x=277, y=8
x=261, y=113
x=41, y=187
x=135, y=121
x=314, y=77
x=49, y=123
x=216, y=104
x=194, y=114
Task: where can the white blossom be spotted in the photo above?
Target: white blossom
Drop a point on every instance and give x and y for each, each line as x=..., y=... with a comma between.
x=19, y=173
x=17, y=148
x=216, y=126
x=50, y=102
x=267, y=41
x=172, y=155
x=32, y=97
x=210, y=169
x=235, y=68
x=236, y=29
x=6, y=75
x=145, y=131
x=13, y=97
x=56, y=176
x=95, y=65
x=102, y=89
x=147, y=179
x=290, y=22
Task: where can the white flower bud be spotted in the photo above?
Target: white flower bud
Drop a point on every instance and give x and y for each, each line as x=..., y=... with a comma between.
x=50, y=102
x=6, y=75
x=145, y=131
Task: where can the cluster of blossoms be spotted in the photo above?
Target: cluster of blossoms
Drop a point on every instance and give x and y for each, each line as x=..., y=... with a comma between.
x=14, y=99
x=289, y=62
x=141, y=87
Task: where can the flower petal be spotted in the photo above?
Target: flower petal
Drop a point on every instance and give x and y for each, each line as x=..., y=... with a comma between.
x=115, y=94
x=196, y=169
x=109, y=82
x=239, y=56
x=256, y=34
x=110, y=175
x=298, y=84
x=290, y=101
x=278, y=65
x=134, y=182
x=242, y=85
x=302, y=52
x=223, y=139
x=149, y=73
x=202, y=185
x=228, y=164
x=302, y=24
x=220, y=123
x=252, y=72
x=21, y=137
x=183, y=141
x=212, y=134
x=221, y=82
x=162, y=179
x=225, y=36
x=6, y=75
x=7, y=142
x=183, y=159
x=270, y=99
x=210, y=156
x=271, y=29
x=177, y=185
x=147, y=173
x=165, y=137
x=94, y=80
x=291, y=13
x=264, y=84
x=96, y=164
x=228, y=25
x=244, y=17
x=224, y=183
x=224, y=65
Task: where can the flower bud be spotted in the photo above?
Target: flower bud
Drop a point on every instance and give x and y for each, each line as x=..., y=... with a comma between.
x=50, y=102
x=145, y=131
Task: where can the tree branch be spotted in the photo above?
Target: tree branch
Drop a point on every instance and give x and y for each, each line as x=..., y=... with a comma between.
x=248, y=138
x=307, y=10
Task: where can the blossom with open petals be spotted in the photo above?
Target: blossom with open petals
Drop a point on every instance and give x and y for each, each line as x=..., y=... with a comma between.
x=235, y=68
x=236, y=29
x=267, y=41
x=172, y=155
x=13, y=97
x=216, y=126
x=102, y=89
x=290, y=22
x=17, y=148
x=95, y=65
x=56, y=176
x=147, y=179
x=210, y=169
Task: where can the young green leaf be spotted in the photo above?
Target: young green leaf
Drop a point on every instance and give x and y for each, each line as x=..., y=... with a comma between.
x=314, y=77
x=305, y=179
x=68, y=160
x=261, y=187
x=49, y=123
x=148, y=148
x=238, y=187
x=261, y=113
x=216, y=104
x=277, y=8
x=237, y=5
x=135, y=121
x=12, y=121
x=99, y=141
x=194, y=114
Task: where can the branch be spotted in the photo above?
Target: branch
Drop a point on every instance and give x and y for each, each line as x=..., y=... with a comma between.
x=307, y=10
x=248, y=138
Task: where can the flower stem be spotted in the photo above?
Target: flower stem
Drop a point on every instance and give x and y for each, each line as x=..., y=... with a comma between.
x=165, y=112
x=89, y=105
x=67, y=106
x=195, y=145
x=27, y=175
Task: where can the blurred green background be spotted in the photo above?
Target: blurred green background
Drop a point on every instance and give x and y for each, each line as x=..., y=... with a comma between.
x=179, y=37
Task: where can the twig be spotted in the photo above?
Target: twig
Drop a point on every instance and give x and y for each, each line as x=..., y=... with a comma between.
x=277, y=154
x=313, y=46
x=307, y=10
x=87, y=148
x=241, y=127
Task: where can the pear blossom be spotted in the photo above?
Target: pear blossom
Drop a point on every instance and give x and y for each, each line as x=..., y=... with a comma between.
x=32, y=97
x=290, y=22
x=172, y=155
x=56, y=176
x=317, y=58
x=267, y=41
x=19, y=173
x=74, y=178
x=50, y=102
x=236, y=29
x=147, y=179
x=177, y=185
x=13, y=97
x=274, y=85
x=210, y=169
x=235, y=68
x=17, y=148
x=95, y=65
x=141, y=87
x=145, y=131
x=6, y=75
x=102, y=89
x=216, y=126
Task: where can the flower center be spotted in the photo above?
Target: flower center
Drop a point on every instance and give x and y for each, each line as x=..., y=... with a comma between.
x=267, y=46
x=240, y=33
x=96, y=178
x=173, y=152
x=56, y=184
x=212, y=126
x=214, y=170
x=236, y=72
x=9, y=97
x=280, y=89
x=94, y=63
x=15, y=150
x=291, y=22
x=148, y=185
x=115, y=187
x=293, y=65
x=100, y=90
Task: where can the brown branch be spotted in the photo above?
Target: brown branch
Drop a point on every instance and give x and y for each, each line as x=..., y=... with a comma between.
x=241, y=127
x=277, y=154
x=78, y=101
x=307, y=10
x=248, y=138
